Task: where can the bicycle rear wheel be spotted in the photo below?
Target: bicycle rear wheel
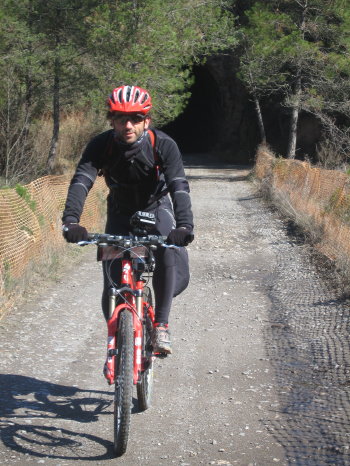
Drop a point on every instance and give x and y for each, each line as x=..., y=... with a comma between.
x=145, y=385
x=123, y=382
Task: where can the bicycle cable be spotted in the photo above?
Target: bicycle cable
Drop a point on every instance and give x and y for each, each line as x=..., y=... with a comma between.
x=108, y=270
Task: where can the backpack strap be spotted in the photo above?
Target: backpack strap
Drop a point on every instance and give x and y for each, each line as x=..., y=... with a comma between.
x=152, y=136
x=163, y=192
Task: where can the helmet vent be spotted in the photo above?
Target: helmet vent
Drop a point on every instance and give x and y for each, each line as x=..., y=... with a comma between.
x=128, y=94
x=119, y=96
x=137, y=95
x=144, y=98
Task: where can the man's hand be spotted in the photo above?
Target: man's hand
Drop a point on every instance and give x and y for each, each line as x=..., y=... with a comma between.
x=73, y=233
x=181, y=236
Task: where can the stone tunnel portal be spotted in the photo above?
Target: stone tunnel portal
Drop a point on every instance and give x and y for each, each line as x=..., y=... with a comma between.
x=196, y=129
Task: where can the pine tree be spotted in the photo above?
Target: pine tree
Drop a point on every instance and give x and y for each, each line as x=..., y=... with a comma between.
x=291, y=48
x=155, y=44
x=264, y=45
x=19, y=77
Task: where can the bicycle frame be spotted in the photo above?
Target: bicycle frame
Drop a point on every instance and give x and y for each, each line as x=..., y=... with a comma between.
x=132, y=292
x=130, y=320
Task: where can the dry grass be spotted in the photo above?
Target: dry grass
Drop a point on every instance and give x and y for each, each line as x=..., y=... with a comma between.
x=75, y=131
x=329, y=156
x=315, y=217
x=304, y=225
x=27, y=159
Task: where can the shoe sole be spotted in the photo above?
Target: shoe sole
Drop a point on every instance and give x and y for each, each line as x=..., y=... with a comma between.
x=164, y=351
x=161, y=355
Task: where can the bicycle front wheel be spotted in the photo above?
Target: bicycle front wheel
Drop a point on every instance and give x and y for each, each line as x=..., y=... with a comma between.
x=123, y=382
x=145, y=385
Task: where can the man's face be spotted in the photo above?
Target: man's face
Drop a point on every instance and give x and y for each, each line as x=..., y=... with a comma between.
x=129, y=126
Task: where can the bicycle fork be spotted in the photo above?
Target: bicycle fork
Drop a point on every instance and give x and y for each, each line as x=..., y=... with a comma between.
x=109, y=370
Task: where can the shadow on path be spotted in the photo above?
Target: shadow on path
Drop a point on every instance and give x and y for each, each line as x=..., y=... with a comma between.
x=25, y=402
x=212, y=162
x=223, y=177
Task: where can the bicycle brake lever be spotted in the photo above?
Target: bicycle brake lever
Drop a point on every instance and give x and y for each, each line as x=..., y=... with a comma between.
x=171, y=246
x=85, y=243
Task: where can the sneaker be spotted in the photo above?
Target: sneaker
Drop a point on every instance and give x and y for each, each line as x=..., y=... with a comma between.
x=161, y=339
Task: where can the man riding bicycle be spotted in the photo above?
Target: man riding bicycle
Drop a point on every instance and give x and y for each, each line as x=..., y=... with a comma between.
x=141, y=167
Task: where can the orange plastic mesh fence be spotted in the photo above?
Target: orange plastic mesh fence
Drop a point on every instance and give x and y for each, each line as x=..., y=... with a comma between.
x=321, y=194
x=30, y=222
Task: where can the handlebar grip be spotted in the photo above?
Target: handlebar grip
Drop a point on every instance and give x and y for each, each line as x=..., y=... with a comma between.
x=92, y=236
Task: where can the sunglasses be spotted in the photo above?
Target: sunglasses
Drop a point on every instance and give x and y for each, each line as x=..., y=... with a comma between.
x=122, y=118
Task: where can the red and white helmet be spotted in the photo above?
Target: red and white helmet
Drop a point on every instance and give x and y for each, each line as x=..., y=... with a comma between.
x=129, y=99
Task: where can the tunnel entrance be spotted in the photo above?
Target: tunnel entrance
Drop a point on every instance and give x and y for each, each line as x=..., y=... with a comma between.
x=196, y=129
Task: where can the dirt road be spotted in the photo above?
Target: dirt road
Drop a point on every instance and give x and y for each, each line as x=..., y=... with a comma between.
x=260, y=370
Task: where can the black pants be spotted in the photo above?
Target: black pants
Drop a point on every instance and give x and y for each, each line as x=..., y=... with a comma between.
x=171, y=273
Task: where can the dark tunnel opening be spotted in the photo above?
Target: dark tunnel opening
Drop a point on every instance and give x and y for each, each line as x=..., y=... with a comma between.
x=221, y=118
x=196, y=129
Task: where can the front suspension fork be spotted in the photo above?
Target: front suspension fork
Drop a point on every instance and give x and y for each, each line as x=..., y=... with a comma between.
x=112, y=328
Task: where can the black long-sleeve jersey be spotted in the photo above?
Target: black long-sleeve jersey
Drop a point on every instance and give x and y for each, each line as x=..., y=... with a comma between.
x=135, y=182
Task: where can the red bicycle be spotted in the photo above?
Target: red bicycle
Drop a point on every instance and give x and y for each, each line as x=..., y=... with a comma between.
x=131, y=316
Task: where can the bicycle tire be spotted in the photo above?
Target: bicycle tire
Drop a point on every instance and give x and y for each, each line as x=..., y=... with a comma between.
x=123, y=382
x=145, y=385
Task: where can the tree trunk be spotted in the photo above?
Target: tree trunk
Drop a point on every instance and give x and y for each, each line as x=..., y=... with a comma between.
x=260, y=120
x=28, y=82
x=7, y=131
x=29, y=66
x=292, y=143
x=51, y=160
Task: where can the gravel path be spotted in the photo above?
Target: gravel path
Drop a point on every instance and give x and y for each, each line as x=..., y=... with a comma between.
x=260, y=370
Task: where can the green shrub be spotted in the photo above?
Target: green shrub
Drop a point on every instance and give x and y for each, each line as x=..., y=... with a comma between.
x=24, y=194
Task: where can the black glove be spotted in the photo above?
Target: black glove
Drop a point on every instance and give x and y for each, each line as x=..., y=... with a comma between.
x=181, y=236
x=73, y=233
